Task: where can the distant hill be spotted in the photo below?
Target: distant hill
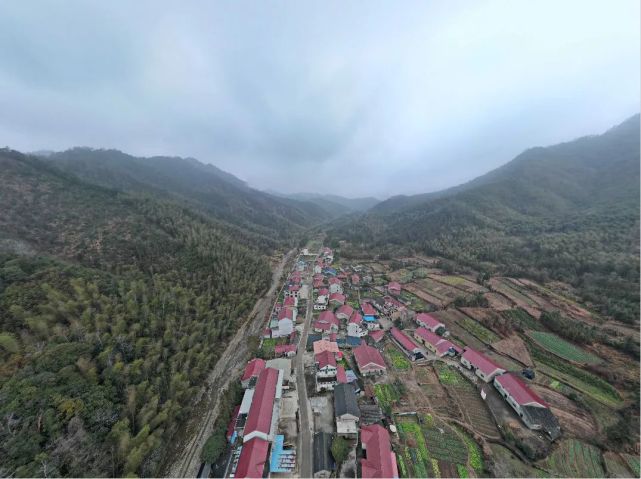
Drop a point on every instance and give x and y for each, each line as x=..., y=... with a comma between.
x=205, y=186
x=568, y=212
x=335, y=205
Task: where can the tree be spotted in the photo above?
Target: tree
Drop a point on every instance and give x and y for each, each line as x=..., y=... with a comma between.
x=340, y=449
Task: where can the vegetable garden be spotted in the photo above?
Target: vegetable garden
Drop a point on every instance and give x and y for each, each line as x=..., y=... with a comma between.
x=398, y=360
x=562, y=348
x=574, y=458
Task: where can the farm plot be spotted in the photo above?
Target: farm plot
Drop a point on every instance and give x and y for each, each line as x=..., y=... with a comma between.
x=574, y=458
x=516, y=294
x=514, y=347
x=616, y=466
x=442, y=290
x=465, y=285
x=386, y=395
x=562, y=348
x=396, y=358
x=478, y=330
x=499, y=302
x=432, y=449
x=632, y=462
x=579, y=379
x=428, y=298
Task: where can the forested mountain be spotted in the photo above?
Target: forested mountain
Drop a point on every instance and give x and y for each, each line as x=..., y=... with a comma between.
x=568, y=212
x=113, y=308
x=205, y=186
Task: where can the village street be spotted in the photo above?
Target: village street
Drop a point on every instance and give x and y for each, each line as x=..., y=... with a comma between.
x=305, y=446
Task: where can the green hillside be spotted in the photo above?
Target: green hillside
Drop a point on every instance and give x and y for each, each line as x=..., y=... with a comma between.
x=569, y=212
x=113, y=308
x=198, y=185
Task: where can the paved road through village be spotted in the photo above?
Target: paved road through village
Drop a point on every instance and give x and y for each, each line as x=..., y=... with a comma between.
x=305, y=445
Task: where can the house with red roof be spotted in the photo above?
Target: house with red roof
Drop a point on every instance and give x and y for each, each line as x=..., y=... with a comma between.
x=283, y=325
x=368, y=309
x=355, y=327
x=532, y=410
x=252, y=370
x=336, y=299
x=317, y=284
x=326, y=322
x=252, y=459
x=326, y=371
x=335, y=285
x=293, y=290
x=436, y=344
x=379, y=461
x=369, y=360
x=324, y=345
x=408, y=346
x=394, y=288
x=483, y=367
x=261, y=420
x=377, y=335
x=428, y=321
x=290, y=302
x=286, y=350
x=344, y=312
x=341, y=375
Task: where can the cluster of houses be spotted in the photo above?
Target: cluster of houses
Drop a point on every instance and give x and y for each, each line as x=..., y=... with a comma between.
x=430, y=336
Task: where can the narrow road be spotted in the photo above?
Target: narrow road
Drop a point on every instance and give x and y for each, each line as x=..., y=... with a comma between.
x=183, y=459
x=305, y=436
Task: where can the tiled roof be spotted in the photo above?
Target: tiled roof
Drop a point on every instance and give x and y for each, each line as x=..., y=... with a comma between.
x=428, y=320
x=368, y=309
x=338, y=297
x=404, y=340
x=356, y=318
x=325, y=358
x=377, y=335
x=259, y=417
x=479, y=361
x=253, y=456
x=323, y=345
x=345, y=309
x=381, y=461
x=328, y=317
x=365, y=355
x=341, y=376
x=516, y=388
x=253, y=368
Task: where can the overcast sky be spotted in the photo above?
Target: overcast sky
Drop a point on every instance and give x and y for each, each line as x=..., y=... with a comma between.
x=354, y=98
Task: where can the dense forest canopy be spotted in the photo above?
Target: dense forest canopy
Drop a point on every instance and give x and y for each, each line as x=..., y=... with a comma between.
x=113, y=308
x=569, y=212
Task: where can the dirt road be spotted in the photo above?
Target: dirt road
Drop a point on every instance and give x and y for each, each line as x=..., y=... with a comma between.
x=183, y=457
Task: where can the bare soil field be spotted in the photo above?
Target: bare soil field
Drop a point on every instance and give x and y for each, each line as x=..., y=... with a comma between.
x=462, y=283
x=499, y=302
x=515, y=348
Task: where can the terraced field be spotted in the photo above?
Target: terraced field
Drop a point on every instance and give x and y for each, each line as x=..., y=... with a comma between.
x=574, y=458
x=435, y=449
x=478, y=330
x=633, y=463
x=616, y=466
x=562, y=348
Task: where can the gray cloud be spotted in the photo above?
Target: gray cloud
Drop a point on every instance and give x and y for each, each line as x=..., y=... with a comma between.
x=352, y=98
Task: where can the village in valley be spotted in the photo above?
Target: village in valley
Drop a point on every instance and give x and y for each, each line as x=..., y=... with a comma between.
x=397, y=368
